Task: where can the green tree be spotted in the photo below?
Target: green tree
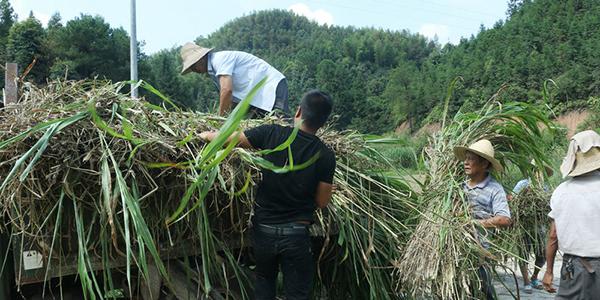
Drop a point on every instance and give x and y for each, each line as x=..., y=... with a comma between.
x=351, y=64
x=401, y=93
x=378, y=78
x=7, y=19
x=88, y=47
x=53, y=42
x=26, y=44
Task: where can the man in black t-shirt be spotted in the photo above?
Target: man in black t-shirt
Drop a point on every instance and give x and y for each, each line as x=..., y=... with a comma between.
x=285, y=203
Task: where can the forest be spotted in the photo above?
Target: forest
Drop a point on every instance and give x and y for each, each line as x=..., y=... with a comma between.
x=379, y=79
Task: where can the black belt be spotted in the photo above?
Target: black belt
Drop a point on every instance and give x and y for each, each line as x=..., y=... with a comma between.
x=566, y=255
x=585, y=262
x=283, y=229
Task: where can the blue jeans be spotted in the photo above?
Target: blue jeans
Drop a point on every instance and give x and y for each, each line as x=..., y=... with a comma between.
x=289, y=251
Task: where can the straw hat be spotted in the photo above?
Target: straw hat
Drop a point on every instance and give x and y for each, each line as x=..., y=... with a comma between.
x=191, y=54
x=586, y=162
x=482, y=148
x=583, y=154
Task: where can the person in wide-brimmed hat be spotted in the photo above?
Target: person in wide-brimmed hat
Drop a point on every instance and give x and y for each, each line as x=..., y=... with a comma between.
x=236, y=73
x=575, y=214
x=486, y=197
x=478, y=161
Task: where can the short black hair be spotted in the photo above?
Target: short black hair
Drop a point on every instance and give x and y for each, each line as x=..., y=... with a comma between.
x=316, y=107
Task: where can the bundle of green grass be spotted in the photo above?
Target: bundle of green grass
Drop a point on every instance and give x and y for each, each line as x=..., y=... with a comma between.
x=530, y=221
x=95, y=178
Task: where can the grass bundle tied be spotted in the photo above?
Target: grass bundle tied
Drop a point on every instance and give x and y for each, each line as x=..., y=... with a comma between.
x=110, y=185
x=529, y=210
x=442, y=257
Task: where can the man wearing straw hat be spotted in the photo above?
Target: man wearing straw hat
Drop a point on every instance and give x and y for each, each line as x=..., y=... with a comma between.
x=486, y=196
x=235, y=73
x=575, y=225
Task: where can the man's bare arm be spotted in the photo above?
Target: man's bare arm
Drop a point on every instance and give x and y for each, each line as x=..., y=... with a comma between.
x=496, y=222
x=323, y=194
x=243, y=142
x=551, y=249
x=225, y=94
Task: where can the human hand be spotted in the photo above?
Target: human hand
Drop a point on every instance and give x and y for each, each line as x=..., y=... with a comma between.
x=483, y=223
x=205, y=136
x=547, y=282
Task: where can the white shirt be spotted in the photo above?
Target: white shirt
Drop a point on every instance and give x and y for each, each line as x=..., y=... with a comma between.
x=246, y=71
x=575, y=208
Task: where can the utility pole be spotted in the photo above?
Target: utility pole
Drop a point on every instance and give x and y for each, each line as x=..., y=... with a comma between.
x=133, y=55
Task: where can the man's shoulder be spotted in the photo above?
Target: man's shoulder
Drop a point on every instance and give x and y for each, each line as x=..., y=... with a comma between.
x=578, y=183
x=266, y=136
x=564, y=185
x=279, y=127
x=328, y=150
x=326, y=154
x=232, y=54
x=223, y=52
x=277, y=130
x=222, y=56
x=494, y=185
x=581, y=190
x=269, y=127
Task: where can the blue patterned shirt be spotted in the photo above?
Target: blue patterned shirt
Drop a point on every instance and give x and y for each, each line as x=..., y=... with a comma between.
x=487, y=199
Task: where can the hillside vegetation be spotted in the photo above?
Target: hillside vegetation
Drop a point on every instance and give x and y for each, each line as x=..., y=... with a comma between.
x=379, y=78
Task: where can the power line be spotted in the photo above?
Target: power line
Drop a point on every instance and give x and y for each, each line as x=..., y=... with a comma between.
x=470, y=11
x=461, y=17
x=379, y=13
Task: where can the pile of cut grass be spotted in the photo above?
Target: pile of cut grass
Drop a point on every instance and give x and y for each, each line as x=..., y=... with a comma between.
x=530, y=222
x=91, y=176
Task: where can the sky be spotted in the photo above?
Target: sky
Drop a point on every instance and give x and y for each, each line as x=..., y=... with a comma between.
x=164, y=24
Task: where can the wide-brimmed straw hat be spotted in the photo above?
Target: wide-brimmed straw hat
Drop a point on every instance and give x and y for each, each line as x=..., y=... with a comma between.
x=482, y=148
x=586, y=162
x=191, y=54
x=583, y=154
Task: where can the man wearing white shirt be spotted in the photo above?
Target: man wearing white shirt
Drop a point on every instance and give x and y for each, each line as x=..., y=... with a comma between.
x=575, y=222
x=235, y=73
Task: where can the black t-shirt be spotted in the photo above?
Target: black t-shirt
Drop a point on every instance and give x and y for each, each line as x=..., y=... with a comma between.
x=289, y=197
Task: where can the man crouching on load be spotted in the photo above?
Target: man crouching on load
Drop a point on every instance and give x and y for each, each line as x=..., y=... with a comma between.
x=285, y=203
x=487, y=199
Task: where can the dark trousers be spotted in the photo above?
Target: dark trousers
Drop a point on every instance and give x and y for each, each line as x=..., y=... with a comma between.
x=281, y=106
x=537, y=245
x=578, y=282
x=286, y=250
x=487, y=288
x=282, y=97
